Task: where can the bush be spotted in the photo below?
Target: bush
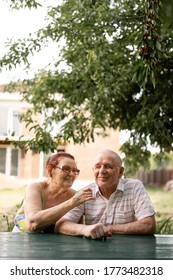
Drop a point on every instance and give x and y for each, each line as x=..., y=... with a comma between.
x=165, y=226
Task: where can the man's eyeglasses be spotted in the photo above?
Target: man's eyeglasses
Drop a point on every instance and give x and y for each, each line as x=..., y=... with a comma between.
x=68, y=170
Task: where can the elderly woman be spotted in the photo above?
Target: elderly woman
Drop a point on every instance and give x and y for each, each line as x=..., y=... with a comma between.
x=47, y=201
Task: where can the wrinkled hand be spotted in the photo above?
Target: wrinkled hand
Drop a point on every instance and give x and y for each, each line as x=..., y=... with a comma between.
x=82, y=195
x=96, y=231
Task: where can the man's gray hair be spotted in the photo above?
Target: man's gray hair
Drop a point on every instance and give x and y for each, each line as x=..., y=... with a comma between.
x=113, y=154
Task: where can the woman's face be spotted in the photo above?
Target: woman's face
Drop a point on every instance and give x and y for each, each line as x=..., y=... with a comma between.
x=65, y=172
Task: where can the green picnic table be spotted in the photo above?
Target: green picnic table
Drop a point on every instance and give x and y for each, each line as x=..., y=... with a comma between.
x=18, y=246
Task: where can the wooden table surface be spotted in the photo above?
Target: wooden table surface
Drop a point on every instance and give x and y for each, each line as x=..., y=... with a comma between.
x=18, y=246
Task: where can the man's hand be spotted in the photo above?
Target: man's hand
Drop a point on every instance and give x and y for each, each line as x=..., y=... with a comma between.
x=96, y=231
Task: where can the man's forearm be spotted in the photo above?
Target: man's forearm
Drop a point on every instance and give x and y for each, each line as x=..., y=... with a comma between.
x=68, y=228
x=95, y=231
x=144, y=226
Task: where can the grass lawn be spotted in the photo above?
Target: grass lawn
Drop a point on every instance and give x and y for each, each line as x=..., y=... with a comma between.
x=162, y=201
x=163, y=205
x=10, y=200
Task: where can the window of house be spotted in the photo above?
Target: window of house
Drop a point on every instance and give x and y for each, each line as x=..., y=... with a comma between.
x=4, y=121
x=9, y=121
x=16, y=123
x=9, y=161
x=2, y=160
x=14, y=162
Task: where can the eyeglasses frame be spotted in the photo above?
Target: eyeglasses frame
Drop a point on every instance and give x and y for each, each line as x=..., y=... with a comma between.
x=75, y=171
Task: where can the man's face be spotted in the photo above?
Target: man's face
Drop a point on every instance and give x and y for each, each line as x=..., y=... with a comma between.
x=107, y=171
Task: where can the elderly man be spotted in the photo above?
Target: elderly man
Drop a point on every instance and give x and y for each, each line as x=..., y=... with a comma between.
x=118, y=206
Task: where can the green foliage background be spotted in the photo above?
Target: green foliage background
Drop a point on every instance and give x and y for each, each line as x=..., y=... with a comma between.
x=119, y=74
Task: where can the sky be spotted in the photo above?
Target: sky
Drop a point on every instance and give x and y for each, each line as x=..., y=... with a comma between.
x=17, y=24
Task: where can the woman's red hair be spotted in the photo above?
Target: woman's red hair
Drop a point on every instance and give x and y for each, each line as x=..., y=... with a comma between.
x=54, y=160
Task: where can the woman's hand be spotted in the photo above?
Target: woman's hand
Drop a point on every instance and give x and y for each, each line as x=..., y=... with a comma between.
x=81, y=196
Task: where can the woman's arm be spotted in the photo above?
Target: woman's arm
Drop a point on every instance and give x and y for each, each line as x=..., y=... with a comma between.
x=37, y=218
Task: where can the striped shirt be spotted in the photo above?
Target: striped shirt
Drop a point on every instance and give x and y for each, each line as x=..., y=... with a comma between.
x=128, y=203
